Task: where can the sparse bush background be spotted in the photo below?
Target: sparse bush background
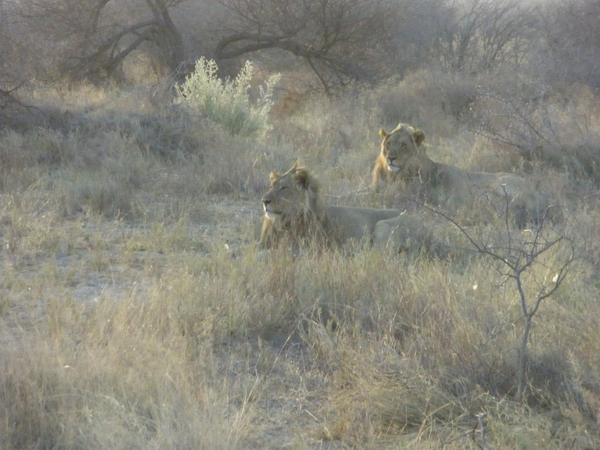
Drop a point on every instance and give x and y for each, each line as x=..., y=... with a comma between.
x=134, y=310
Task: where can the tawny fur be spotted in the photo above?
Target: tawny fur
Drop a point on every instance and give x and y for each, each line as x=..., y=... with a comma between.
x=295, y=210
x=403, y=157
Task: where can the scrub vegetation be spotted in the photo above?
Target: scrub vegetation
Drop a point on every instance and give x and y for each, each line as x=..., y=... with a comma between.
x=136, y=310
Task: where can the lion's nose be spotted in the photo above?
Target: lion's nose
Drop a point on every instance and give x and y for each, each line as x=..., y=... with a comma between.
x=266, y=201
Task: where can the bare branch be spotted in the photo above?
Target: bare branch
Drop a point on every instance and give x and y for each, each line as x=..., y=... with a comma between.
x=95, y=40
x=518, y=258
x=334, y=37
x=480, y=35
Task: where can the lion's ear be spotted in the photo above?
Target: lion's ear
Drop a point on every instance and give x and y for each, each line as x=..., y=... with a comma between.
x=302, y=178
x=299, y=164
x=419, y=137
x=273, y=176
x=383, y=133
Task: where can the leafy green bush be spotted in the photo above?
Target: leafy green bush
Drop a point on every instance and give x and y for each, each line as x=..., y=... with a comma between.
x=227, y=102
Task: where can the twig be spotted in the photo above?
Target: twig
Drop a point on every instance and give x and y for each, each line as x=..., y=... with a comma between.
x=481, y=423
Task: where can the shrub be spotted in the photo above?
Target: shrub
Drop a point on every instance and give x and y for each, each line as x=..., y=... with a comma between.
x=228, y=102
x=539, y=123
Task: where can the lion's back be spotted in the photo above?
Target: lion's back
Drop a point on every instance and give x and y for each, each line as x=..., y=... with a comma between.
x=347, y=222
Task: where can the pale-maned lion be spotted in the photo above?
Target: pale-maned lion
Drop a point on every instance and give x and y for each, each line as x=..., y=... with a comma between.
x=403, y=157
x=295, y=210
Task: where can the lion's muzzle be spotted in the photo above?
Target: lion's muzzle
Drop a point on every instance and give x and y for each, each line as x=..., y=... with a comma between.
x=268, y=209
x=391, y=166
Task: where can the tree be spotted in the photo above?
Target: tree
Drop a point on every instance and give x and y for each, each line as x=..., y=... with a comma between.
x=572, y=41
x=338, y=39
x=536, y=260
x=483, y=34
x=94, y=37
x=11, y=78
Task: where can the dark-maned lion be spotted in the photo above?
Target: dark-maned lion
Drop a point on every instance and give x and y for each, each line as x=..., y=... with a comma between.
x=295, y=210
x=403, y=157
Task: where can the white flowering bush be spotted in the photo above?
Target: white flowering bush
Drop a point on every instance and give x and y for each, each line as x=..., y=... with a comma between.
x=227, y=102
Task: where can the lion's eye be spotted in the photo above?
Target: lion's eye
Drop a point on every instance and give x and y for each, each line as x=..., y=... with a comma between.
x=283, y=188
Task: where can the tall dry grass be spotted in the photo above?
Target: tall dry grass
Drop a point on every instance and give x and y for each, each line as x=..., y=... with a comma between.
x=135, y=312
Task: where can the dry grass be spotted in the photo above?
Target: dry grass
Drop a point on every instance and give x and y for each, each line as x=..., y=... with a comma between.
x=135, y=313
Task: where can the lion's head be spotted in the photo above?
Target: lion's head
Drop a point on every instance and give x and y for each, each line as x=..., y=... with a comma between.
x=292, y=202
x=399, y=151
x=400, y=146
